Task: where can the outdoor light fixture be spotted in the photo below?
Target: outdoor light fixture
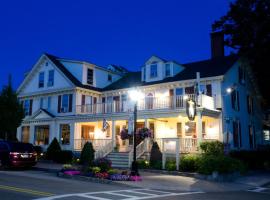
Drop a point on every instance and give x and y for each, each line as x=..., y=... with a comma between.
x=135, y=95
x=229, y=90
x=185, y=97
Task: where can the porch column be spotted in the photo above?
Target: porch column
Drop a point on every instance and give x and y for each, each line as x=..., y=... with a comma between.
x=72, y=133
x=19, y=133
x=32, y=134
x=113, y=133
x=221, y=134
x=146, y=125
x=199, y=127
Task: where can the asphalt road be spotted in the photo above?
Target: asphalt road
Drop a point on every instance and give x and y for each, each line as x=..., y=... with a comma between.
x=24, y=185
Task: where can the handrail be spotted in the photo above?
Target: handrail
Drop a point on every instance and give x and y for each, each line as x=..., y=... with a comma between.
x=140, y=150
x=104, y=151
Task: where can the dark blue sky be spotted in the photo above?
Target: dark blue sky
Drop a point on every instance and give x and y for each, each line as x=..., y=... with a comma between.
x=104, y=32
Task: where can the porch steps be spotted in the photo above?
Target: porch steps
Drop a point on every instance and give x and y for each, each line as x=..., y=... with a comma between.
x=119, y=159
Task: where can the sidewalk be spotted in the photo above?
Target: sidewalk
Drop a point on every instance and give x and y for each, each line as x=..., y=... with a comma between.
x=171, y=182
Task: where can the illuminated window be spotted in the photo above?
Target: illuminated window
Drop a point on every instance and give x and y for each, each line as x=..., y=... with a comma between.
x=65, y=133
x=190, y=128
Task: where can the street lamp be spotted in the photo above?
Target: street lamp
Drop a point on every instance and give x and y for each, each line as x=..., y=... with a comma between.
x=135, y=96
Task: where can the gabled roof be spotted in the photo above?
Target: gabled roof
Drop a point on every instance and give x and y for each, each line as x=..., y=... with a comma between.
x=207, y=68
x=69, y=75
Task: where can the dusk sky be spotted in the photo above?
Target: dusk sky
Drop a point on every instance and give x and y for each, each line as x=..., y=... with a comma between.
x=103, y=32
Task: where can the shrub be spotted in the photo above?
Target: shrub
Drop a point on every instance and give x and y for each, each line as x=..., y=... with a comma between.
x=87, y=154
x=64, y=156
x=143, y=164
x=155, y=157
x=170, y=165
x=256, y=159
x=53, y=149
x=207, y=164
x=212, y=148
x=189, y=163
x=112, y=171
x=103, y=163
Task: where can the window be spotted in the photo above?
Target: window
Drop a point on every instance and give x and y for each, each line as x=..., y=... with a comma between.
x=235, y=100
x=27, y=106
x=42, y=135
x=241, y=75
x=65, y=133
x=90, y=73
x=266, y=135
x=65, y=103
x=153, y=70
x=41, y=80
x=209, y=90
x=167, y=70
x=87, y=132
x=51, y=78
x=179, y=91
x=25, y=134
x=190, y=128
x=189, y=90
x=179, y=129
x=110, y=77
x=249, y=104
x=237, y=138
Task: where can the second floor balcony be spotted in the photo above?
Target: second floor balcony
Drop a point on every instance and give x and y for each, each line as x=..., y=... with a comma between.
x=146, y=104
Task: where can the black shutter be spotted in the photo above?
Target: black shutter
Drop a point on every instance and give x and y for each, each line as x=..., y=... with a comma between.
x=238, y=105
x=70, y=103
x=240, y=134
x=233, y=99
x=83, y=99
x=209, y=90
x=59, y=103
x=30, y=108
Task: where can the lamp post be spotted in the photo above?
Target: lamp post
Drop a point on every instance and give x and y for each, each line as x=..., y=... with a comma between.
x=135, y=95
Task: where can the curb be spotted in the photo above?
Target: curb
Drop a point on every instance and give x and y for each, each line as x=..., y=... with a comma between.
x=176, y=173
x=93, y=180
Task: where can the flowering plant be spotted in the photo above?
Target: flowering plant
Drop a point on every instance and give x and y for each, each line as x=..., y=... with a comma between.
x=144, y=133
x=103, y=163
x=102, y=175
x=135, y=178
x=73, y=172
x=124, y=134
x=119, y=177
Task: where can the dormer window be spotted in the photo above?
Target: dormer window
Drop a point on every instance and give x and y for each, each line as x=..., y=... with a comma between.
x=109, y=77
x=90, y=74
x=41, y=80
x=167, y=70
x=153, y=71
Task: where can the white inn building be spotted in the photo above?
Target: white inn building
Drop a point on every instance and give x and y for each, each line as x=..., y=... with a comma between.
x=69, y=99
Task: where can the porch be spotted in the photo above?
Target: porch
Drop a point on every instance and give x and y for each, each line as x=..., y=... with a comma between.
x=146, y=104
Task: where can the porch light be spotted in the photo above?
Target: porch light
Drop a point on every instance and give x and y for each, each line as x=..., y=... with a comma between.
x=135, y=95
x=229, y=90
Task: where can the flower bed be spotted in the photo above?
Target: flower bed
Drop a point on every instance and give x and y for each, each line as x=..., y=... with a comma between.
x=100, y=170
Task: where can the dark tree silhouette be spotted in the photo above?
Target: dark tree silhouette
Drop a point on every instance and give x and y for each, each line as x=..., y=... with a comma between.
x=11, y=112
x=247, y=30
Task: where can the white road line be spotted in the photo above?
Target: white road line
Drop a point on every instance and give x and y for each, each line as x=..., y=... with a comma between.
x=89, y=195
x=144, y=193
x=258, y=189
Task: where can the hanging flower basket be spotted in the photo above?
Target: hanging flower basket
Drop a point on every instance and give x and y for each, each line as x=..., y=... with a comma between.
x=144, y=133
x=124, y=134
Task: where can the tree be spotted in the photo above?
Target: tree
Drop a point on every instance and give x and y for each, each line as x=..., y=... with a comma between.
x=11, y=112
x=247, y=30
x=155, y=156
x=87, y=154
x=53, y=150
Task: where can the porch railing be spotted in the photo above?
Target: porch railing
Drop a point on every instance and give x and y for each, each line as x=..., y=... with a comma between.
x=140, y=150
x=186, y=145
x=102, y=146
x=148, y=103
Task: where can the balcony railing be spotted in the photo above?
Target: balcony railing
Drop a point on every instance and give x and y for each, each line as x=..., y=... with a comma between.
x=186, y=145
x=148, y=103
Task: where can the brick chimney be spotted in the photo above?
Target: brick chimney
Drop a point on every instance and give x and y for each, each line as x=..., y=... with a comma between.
x=217, y=44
